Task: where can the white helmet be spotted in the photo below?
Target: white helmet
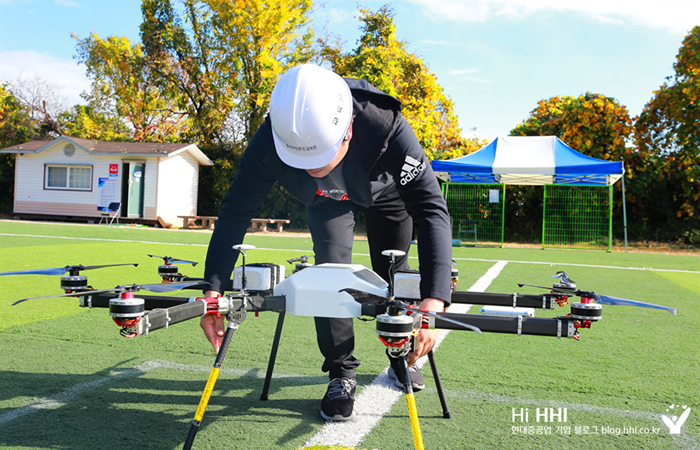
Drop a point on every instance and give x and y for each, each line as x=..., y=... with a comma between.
x=311, y=110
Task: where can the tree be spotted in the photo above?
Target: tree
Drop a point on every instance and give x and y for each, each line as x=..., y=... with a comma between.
x=16, y=127
x=382, y=59
x=84, y=121
x=264, y=40
x=224, y=56
x=42, y=103
x=593, y=124
x=668, y=139
x=121, y=78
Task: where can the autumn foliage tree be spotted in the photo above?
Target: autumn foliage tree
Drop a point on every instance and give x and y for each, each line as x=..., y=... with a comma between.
x=16, y=127
x=382, y=59
x=593, y=124
x=665, y=192
x=120, y=72
x=221, y=59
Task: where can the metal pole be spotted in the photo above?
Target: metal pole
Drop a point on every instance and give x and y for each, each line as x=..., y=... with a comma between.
x=624, y=209
x=213, y=375
x=273, y=355
x=438, y=385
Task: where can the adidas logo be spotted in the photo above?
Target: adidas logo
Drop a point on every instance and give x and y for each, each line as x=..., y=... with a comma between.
x=410, y=170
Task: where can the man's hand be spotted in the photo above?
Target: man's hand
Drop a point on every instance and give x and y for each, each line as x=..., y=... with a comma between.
x=426, y=338
x=213, y=325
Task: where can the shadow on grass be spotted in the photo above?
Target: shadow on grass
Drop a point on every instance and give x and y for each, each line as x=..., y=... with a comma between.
x=153, y=410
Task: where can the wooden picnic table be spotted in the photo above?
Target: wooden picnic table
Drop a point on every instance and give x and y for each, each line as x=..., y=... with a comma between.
x=261, y=224
x=191, y=221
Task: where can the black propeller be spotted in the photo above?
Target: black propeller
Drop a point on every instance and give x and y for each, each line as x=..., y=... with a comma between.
x=366, y=297
x=73, y=270
x=171, y=260
x=159, y=288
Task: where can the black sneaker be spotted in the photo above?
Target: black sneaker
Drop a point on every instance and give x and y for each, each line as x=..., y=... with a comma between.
x=337, y=404
x=417, y=382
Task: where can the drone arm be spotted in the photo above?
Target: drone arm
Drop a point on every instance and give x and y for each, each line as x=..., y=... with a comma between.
x=163, y=318
x=190, y=309
x=542, y=301
x=537, y=326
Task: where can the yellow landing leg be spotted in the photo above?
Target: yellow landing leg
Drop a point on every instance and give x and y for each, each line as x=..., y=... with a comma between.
x=411, y=402
x=213, y=375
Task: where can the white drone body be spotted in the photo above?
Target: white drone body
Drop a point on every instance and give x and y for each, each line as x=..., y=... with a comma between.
x=315, y=291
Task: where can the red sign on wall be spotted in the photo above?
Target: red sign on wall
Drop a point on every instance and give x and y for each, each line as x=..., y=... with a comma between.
x=114, y=169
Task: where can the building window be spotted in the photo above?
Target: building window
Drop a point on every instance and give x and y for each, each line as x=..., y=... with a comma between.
x=68, y=177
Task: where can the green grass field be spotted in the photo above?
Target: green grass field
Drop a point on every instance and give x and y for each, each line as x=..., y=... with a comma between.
x=68, y=380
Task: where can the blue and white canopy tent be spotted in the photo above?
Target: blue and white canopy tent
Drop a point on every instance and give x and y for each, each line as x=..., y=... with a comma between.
x=531, y=160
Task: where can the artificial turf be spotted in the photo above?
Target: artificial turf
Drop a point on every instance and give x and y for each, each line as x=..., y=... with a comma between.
x=70, y=381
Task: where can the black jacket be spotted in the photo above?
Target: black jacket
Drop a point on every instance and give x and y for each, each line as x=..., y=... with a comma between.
x=384, y=155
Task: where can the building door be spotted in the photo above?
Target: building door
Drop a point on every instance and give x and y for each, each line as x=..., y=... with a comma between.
x=134, y=187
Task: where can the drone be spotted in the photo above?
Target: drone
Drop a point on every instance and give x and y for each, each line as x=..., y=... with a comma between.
x=348, y=291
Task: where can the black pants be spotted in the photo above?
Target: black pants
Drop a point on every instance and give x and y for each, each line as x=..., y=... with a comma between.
x=389, y=227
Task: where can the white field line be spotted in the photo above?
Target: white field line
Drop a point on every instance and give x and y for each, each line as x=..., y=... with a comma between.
x=651, y=269
x=376, y=399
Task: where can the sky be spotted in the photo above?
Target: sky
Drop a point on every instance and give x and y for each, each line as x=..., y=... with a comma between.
x=494, y=58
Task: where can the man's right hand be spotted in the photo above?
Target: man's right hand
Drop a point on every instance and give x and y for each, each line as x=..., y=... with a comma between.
x=213, y=324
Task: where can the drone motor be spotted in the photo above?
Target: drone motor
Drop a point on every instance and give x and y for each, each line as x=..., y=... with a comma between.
x=72, y=283
x=126, y=307
x=586, y=311
x=168, y=272
x=394, y=331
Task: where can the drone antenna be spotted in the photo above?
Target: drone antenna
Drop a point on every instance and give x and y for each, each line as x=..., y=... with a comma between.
x=392, y=254
x=242, y=248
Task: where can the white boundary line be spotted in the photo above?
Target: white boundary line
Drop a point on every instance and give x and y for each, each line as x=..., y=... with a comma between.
x=651, y=269
x=376, y=399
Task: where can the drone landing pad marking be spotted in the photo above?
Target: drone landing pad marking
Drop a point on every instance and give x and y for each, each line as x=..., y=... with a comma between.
x=377, y=398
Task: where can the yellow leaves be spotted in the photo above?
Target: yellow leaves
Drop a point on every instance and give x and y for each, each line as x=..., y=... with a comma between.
x=382, y=60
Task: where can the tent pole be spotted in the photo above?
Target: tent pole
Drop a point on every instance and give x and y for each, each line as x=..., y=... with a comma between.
x=624, y=208
x=610, y=194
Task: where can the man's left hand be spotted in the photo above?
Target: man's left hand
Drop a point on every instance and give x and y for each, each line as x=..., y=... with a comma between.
x=426, y=338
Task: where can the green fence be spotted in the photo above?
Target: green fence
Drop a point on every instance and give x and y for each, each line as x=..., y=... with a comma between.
x=577, y=217
x=477, y=212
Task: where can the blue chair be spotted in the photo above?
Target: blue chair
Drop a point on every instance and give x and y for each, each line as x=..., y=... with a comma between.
x=111, y=213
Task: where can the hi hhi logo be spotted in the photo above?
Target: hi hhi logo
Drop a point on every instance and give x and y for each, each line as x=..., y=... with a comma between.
x=674, y=423
x=542, y=415
x=411, y=168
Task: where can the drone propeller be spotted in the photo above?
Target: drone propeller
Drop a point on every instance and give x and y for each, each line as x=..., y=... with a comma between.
x=610, y=300
x=603, y=299
x=73, y=270
x=366, y=297
x=553, y=289
x=302, y=259
x=564, y=280
x=170, y=260
x=159, y=288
